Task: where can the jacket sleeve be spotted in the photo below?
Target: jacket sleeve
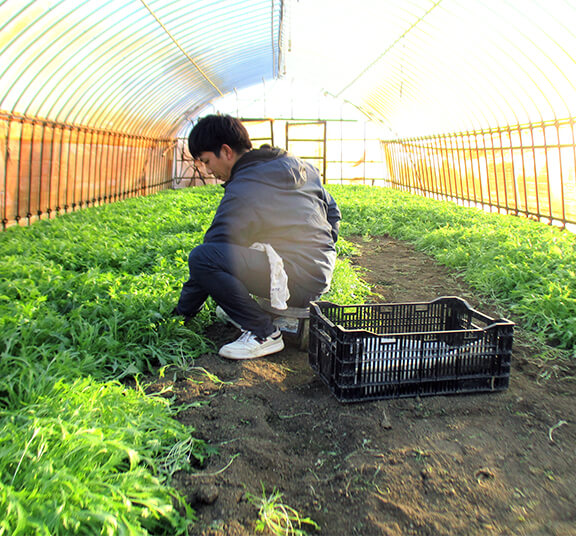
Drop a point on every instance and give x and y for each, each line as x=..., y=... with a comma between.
x=333, y=214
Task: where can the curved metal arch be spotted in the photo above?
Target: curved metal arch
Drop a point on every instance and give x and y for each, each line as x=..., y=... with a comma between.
x=249, y=27
x=512, y=48
x=237, y=42
x=552, y=61
x=99, y=112
x=412, y=74
x=98, y=91
x=65, y=87
x=131, y=94
x=64, y=98
x=103, y=112
x=49, y=80
x=178, y=74
x=512, y=51
x=221, y=41
x=198, y=68
x=390, y=47
x=23, y=51
x=183, y=73
x=127, y=55
x=144, y=119
x=484, y=111
x=501, y=94
x=12, y=20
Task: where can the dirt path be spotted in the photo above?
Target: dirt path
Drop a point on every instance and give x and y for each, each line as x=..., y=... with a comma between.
x=489, y=464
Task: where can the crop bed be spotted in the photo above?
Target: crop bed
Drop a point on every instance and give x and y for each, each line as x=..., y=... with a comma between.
x=84, y=317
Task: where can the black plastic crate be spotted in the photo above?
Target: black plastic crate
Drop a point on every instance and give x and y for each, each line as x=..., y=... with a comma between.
x=393, y=350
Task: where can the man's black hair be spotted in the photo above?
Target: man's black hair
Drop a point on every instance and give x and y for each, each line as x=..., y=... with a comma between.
x=213, y=131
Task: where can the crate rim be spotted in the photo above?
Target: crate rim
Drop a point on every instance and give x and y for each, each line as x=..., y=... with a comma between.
x=491, y=322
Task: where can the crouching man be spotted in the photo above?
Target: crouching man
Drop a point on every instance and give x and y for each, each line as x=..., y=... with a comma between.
x=273, y=236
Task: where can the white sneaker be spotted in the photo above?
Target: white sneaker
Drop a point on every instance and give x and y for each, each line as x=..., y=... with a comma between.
x=249, y=346
x=223, y=316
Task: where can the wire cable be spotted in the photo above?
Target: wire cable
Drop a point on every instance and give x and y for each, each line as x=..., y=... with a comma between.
x=181, y=49
x=367, y=68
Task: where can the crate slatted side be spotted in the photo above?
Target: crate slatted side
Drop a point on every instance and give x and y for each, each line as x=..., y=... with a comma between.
x=379, y=351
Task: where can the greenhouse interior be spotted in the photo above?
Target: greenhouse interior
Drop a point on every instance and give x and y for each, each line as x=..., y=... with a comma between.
x=428, y=390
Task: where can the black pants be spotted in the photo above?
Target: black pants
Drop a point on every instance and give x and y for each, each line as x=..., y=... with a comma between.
x=230, y=274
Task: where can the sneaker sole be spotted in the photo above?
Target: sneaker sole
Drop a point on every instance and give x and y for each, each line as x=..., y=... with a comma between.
x=278, y=346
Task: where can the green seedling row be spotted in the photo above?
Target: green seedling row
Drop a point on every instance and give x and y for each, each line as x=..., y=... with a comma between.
x=527, y=266
x=85, y=303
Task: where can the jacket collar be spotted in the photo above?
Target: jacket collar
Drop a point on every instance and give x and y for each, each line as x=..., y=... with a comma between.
x=251, y=157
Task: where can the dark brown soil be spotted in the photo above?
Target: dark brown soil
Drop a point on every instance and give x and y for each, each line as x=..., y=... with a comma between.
x=484, y=464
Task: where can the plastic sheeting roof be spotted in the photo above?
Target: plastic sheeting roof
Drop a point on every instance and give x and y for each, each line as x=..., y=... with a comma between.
x=418, y=66
x=463, y=64
x=132, y=66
